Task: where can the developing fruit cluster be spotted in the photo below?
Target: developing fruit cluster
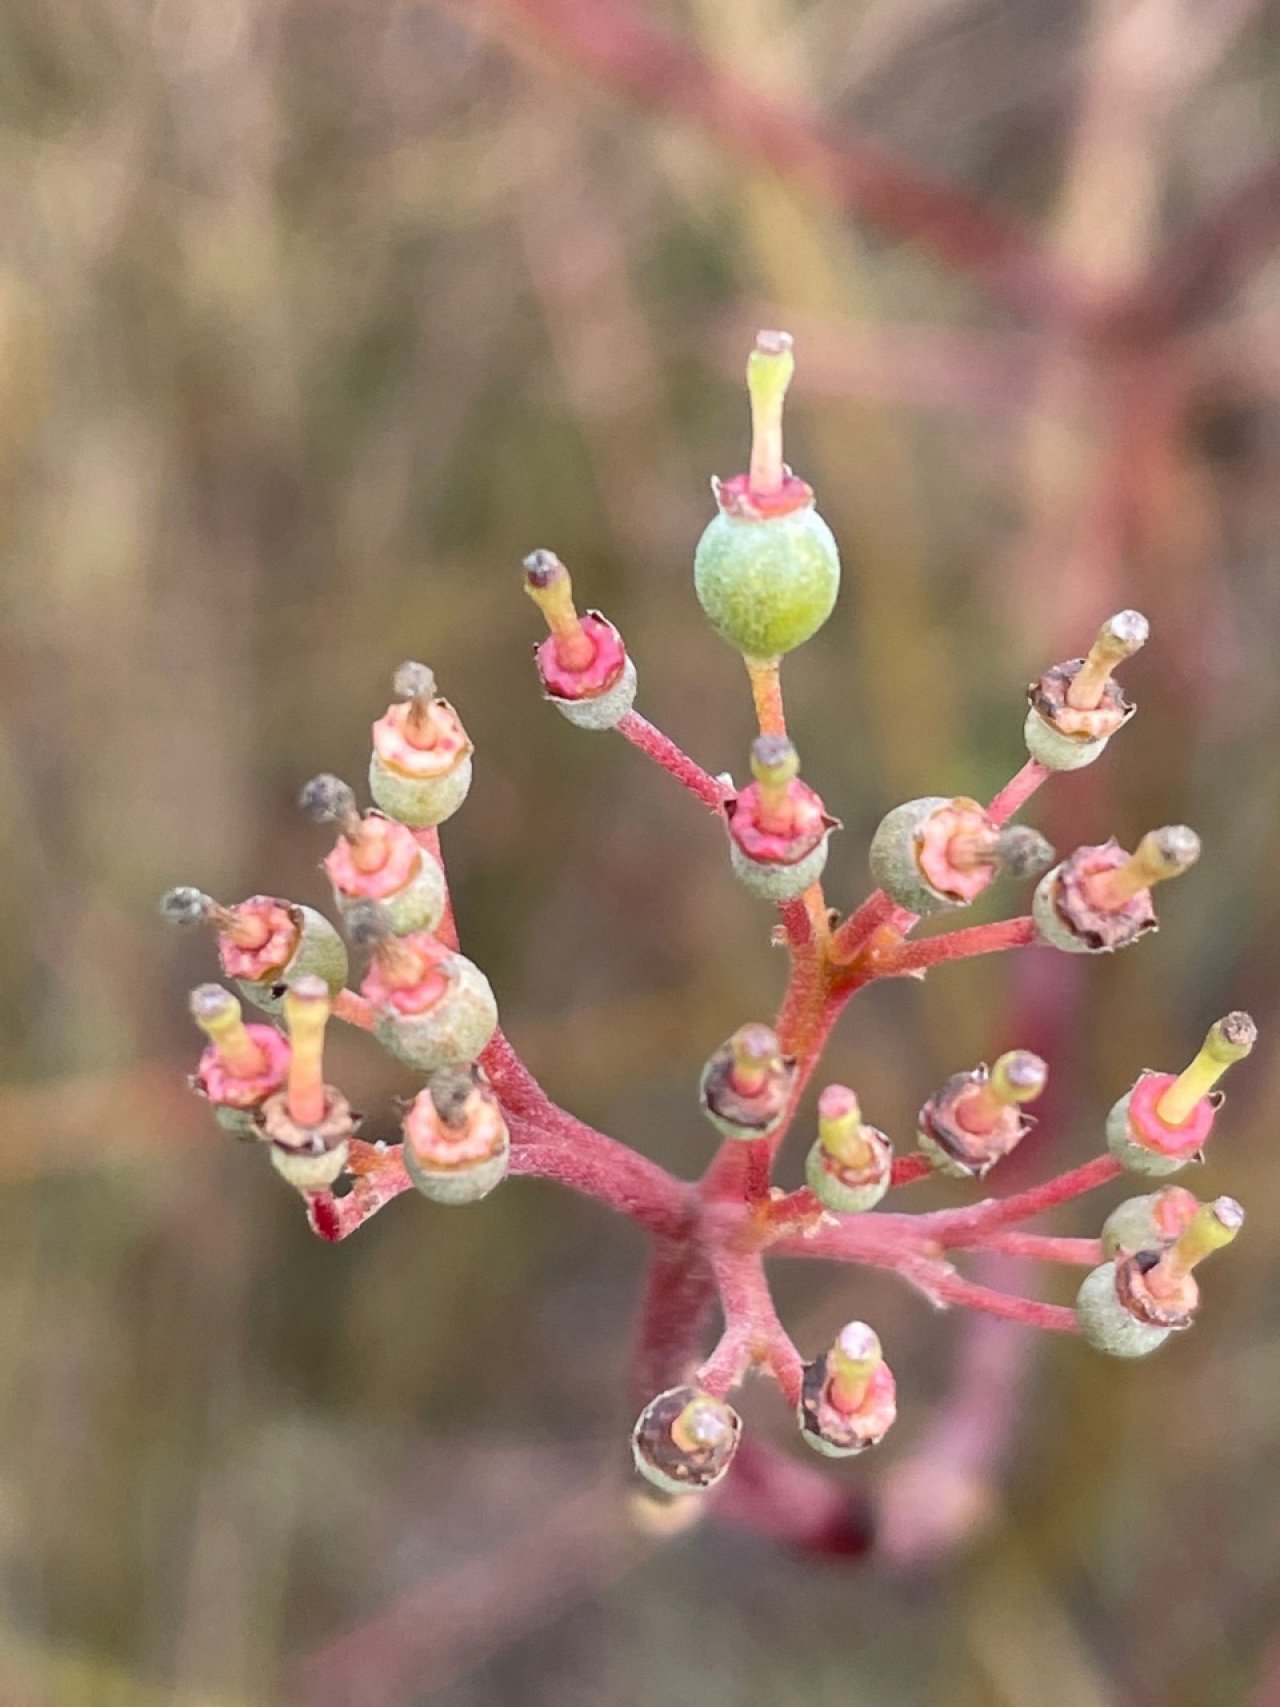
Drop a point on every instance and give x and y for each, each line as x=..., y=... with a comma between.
x=766, y=573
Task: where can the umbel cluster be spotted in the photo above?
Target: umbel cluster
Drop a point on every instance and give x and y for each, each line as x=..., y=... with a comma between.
x=766, y=574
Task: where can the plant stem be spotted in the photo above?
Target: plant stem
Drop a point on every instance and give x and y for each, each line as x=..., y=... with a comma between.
x=678, y=1295
x=1017, y=791
x=954, y=945
x=951, y=1288
x=602, y=1168
x=1085, y=1253
x=334, y=1218
x=766, y=691
x=663, y=751
x=958, y=1226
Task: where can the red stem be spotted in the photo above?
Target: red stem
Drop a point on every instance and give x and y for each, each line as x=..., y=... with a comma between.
x=678, y=1296
x=908, y=1169
x=334, y=1218
x=602, y=1168
x=1017, y=791
x=959, y=1226
x=429, y=842
x=955, y=945
x=970, y=1295
x=1198, y=272
x=663, y=751
x=1085, y=1253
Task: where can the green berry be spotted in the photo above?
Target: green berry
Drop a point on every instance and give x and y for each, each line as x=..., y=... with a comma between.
x=767, y=585
x=1105, y=1322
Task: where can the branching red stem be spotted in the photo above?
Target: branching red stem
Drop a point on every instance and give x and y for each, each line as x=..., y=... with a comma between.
x=954, y=945
x=951, y=1227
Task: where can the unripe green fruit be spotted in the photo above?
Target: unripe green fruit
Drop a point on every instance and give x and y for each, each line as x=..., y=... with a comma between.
x=1134, y=1226
x=1105, y=1322
x=607, y=709
x=833, y=1193
x=422, y=802
x=321, y=953
x=419, y=906
x=767, y=585
x=451, y=1032
x=892, y=857
x=238, y=1121
x=1056, y=751
x=457, y=1185
x=778, y=882
x=310, y=1172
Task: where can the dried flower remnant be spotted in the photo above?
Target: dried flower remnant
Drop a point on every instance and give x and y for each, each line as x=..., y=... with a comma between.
x=1078, y=706
x=431, y=1007
x=1099, y=898
x=684, y=1440
x=848, y=1400
x=1130, y=1305
x=264, y=943
x=243, y=1065
x=933, y=854
x=747, y=1082
x=308, y=1124
x=376, y=859
x=456, y=1143
x=976, y=1119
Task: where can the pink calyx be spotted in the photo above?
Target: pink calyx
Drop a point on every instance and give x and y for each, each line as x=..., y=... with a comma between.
x=1147, y=1129
x=408, y=973
x=480, y=1134
x=589, y=680
x=737, y=497
x=772, y=838
x=350, y=869
x=956, y=850
x=216, y=1080
x=262, y=939
x=418, y=744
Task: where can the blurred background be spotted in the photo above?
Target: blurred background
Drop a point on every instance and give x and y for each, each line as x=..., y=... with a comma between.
x=315, y=317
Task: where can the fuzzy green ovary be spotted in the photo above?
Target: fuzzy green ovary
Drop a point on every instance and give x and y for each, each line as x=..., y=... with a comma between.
x=767, y=586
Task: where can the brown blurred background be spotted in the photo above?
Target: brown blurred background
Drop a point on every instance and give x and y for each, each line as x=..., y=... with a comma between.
x=315, y=316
